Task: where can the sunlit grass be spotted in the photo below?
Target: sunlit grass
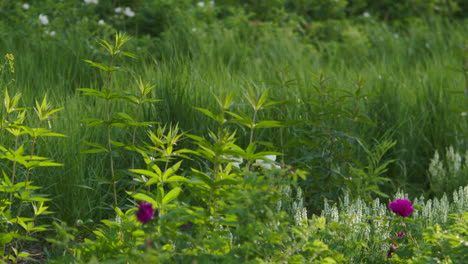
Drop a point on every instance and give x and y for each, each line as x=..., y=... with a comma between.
x=409, y=74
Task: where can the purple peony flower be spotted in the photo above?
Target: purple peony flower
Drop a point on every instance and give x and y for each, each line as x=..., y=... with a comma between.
x=145, y=212
x=402, y=207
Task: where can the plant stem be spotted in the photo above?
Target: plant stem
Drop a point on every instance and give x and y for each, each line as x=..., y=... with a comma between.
x=254, y=119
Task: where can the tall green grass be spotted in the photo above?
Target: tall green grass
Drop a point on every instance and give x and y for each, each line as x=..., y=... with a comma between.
x=408, y=72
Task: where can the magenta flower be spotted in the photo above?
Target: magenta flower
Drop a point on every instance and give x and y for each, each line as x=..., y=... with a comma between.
x=401, y=234
x=392, y=250
x=402, y=207
x=145, y=212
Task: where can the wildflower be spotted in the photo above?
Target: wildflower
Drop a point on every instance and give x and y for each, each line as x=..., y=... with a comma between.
x=269, y=163
x=366, y=14
x=237, y=162
x=201, y=4
x=9, y=57
x=25, y=6
x=101, y=22
x=118, y=10
x=11, y=61
x=145, y=212
x=128, y=12
x=44, y=19
x=402, y=207
x=401, y=234
x=91, y=1
x=392, y=249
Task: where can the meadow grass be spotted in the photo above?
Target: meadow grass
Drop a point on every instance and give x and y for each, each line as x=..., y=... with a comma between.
x=409, y=73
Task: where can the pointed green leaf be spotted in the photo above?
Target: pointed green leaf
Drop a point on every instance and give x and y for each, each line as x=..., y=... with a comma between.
x=171, y=195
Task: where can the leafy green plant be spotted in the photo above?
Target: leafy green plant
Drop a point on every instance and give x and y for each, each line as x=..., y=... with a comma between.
x=121, y=119
x=21, y=205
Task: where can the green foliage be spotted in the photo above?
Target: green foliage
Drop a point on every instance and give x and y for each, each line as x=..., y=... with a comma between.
x=21, y=204
x=240, y=177
x=109, y=121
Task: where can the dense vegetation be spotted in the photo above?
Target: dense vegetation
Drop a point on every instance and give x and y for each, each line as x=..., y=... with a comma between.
x=234, y=131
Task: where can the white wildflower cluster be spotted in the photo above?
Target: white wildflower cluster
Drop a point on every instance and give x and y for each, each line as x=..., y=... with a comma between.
x=91, y=1
x=44, y=19
x=267, y=163
x=202, y=4
x=300, y=212
x=236, y=161
x=460, y=200
x=454, y=160
x=50, y=33
x=127, y=11
x=25, y=6
x=446, y=179
x=432, y=211
x=293, y=206
x=436, y=168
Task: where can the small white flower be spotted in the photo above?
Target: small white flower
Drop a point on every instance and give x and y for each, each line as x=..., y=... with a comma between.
x=25, y=6
x=128, y=12
x=269, y=163
x=118, y=219
x=201, y=4
x=52, y=33
x=118, y=9
x=194, y=29
x=91, y=1
x=237, y=162
x=464, y=114
x=101, y=22
x=44, y=19
x=366, y=14
x=380, y=77
x=142, y=178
